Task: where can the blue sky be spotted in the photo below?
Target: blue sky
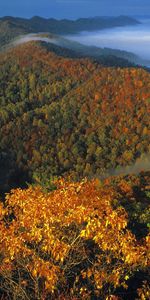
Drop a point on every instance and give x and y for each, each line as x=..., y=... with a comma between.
x=73, y=8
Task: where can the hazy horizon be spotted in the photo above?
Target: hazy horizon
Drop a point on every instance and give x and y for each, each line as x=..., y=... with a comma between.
x=76, y=18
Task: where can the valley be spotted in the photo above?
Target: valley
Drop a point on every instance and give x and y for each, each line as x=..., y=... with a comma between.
x=74, y=162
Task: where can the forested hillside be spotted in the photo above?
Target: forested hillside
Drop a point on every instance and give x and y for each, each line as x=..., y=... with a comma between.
x=63, y=116
x=69, y=230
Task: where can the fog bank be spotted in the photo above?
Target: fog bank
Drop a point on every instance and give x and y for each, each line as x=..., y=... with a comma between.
x=34, y=37
x=134, y=39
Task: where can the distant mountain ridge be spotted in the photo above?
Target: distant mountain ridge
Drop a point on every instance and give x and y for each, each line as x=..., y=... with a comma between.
x=10, y=27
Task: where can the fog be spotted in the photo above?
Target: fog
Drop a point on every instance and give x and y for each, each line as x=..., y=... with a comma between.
x=141, y=164
x=34, y=37
x=134, y=39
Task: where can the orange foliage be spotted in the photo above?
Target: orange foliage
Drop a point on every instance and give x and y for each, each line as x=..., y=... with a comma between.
x=68, y=240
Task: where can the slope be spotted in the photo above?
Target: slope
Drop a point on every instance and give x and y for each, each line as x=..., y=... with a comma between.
x=69, y=116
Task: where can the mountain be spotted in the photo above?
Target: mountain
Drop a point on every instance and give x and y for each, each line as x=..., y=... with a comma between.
x=11, y=27
x=53, y=41
x=105, y=57
x=75, y=164
x=68, y=116
x=15, y=31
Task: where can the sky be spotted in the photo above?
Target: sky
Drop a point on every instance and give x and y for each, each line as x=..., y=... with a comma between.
x=73, y=9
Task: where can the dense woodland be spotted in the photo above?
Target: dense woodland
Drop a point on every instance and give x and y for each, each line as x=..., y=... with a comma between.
x=69, y=116
x=68, y=230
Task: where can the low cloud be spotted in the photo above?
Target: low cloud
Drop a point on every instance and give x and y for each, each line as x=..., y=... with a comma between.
x=141, y=164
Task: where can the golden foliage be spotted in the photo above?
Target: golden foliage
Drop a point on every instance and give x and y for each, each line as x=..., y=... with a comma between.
x=69, y=240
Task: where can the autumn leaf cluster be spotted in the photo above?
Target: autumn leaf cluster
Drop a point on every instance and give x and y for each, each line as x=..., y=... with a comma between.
x=72, y=243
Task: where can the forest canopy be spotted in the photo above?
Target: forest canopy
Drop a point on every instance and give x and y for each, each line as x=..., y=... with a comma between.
x=69, y=230
x=69, y=116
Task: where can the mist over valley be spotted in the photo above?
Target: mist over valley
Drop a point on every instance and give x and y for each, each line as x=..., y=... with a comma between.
x=129, y=40
x=135, y=39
